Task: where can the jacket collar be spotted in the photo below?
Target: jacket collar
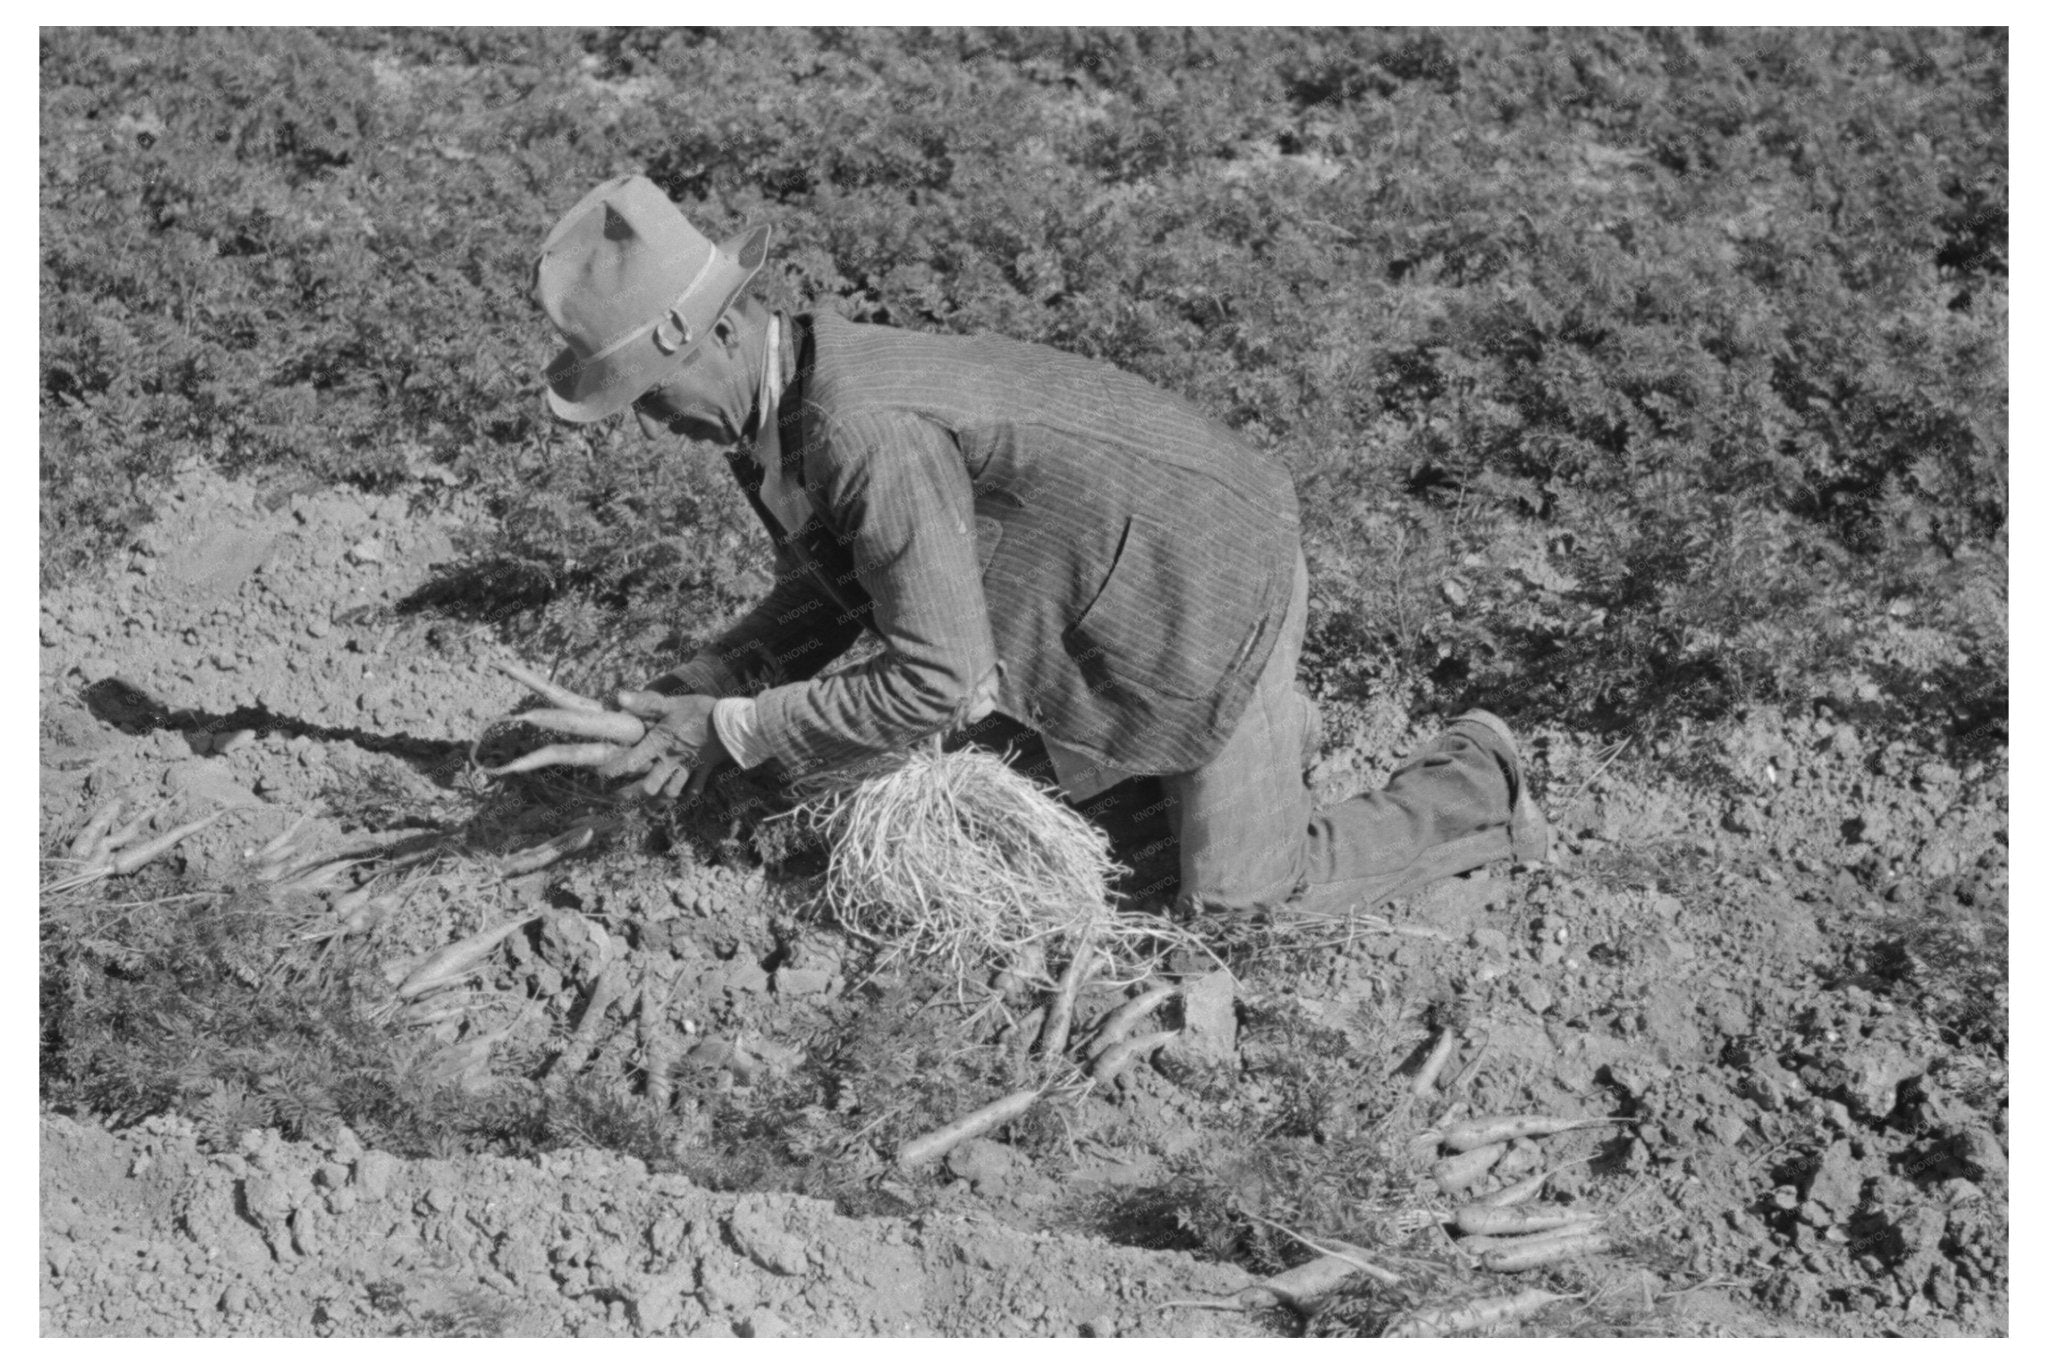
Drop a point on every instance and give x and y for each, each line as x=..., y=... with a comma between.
x=780, y=465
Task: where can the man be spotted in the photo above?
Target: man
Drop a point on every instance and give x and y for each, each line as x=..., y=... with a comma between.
x=1026, y=532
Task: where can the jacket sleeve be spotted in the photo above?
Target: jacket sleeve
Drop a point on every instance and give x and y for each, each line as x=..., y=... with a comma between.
x=787, y=636
x=895, y=490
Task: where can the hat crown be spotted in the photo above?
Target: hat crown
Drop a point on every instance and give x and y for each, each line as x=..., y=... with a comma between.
x=617, y=262
x=631, y=285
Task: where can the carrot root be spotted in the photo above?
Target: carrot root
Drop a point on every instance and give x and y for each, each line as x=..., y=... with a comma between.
x=1570, y=1231
x=1305, y=1286
x=613, y=727
x=276, y=846
x=1118, y=1058
x=446, y=965
x=1513, y=1260
x=1480, y=1219
x=604, y=992
x=1433, y=1065
x=557, y=755
x=1059, y=1021
x=124, y=835
x=1464, y=1136
x=1127, y=1016
x=95, y=829
x=1473, y=1316
x=1521, y=1191
x=929, y=1147
x=547, y=854
x=1455, y=1174
x=144, y=853
x=554, y=693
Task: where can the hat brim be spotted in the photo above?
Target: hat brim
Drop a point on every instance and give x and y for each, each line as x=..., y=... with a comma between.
x=587, y=390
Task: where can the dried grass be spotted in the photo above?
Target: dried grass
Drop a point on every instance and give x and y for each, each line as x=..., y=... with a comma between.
x=957, y=860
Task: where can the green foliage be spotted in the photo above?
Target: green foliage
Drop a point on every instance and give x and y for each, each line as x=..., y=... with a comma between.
x=1300, y=1144
x=891, y=1064
x=1624, y=373
x=205, y=1004
x=171, y=1006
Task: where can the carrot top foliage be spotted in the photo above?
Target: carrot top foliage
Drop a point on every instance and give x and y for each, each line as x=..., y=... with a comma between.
x=1623, y=373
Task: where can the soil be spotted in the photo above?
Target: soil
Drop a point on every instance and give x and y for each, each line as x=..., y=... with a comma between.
x=1762, y=946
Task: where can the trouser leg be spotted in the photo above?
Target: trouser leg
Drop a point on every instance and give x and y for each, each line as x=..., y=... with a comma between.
x=1250, y=836
x=1445, y=811
x=1239, y=819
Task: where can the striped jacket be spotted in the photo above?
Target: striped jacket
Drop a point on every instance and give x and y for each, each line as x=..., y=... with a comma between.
x=1111, y=564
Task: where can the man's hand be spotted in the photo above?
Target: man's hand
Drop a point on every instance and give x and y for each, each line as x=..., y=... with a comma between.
x=681, y=752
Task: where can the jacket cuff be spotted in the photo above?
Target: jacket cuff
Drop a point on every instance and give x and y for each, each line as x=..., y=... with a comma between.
x=739, y=729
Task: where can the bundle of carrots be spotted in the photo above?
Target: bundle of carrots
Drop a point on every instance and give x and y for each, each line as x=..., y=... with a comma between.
x=600, y=733
x=1506, y=1236
x=101, y=850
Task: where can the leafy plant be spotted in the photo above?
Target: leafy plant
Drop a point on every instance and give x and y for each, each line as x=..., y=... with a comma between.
x=1627, y=374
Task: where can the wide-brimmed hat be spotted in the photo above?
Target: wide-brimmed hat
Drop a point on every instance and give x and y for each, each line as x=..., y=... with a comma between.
x=632, y=286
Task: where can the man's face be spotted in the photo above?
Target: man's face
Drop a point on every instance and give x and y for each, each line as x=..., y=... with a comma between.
x=706, y=398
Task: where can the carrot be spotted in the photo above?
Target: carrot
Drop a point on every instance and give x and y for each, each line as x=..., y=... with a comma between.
x=1305, y=1286
x=320, y=875
x=557, y=755
x=611, y=726
x=1059, y=1020
x=276, y=846
x=124, y=835
x=604, y=991
x=1515, y=1259
x=659, y=1062
x=142, y=854
x=1521, y=1191
x=932, y=1145
x=1506, y=1127
x=1433, y=1065
x=95, y=829
x=657, y=1048
x=1118, y=1025
x=1518, y=1192
x=446, y=965
x=1479, y=1219
x=1473, y=1316
x=1118, y=1058
x=575, y=839
x=554, y=693
x=1457, y=1173
x=1573, y=1231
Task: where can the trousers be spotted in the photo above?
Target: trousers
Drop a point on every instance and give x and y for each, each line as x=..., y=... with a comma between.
x=1250, y=837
